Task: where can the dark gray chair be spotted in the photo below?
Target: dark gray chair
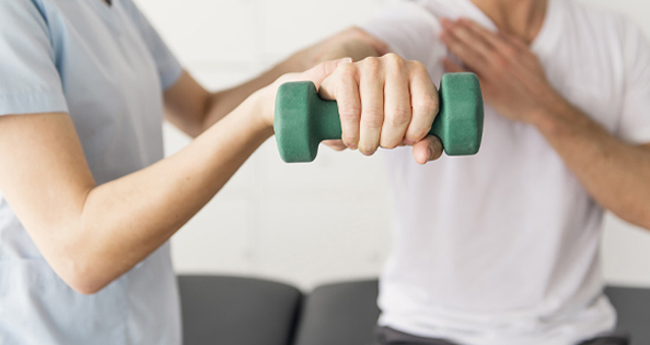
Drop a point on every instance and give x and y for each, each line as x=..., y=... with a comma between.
x=341, y=314
x=237, y=311
x=244, y=311
x=633, y=306
x=345, y=314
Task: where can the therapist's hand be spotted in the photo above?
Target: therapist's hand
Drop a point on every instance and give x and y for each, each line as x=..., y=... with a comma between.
x=383, y=102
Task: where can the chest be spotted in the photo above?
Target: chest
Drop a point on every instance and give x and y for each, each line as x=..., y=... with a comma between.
x=588, y=72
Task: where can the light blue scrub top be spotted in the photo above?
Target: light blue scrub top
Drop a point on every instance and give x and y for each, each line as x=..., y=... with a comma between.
x=107, y=67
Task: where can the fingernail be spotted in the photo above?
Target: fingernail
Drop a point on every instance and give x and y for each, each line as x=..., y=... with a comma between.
x=409, y=142
x=344, y=60
x=352, y=147
x=432, y=150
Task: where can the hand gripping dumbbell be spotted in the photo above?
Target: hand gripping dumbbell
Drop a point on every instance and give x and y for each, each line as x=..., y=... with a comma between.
x=303, y=119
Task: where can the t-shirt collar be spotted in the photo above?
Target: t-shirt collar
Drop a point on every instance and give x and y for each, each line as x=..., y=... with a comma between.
x=547, y=35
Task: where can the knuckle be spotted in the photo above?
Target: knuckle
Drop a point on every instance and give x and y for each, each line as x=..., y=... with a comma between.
x=417, y=66
x=346, y=71
x=372, y=119
x=399, y=116
x=394, y=59
x=417, y=133
x=326, y=67
x=371, y=65
x=349, y=112
x=429, y=105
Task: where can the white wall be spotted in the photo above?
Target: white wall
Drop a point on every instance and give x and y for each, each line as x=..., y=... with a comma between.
x=314, y=223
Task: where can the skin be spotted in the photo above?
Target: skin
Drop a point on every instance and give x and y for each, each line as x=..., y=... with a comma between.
x=92, y=234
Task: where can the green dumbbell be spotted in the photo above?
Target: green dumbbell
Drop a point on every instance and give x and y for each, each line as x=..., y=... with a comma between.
x=303, y=119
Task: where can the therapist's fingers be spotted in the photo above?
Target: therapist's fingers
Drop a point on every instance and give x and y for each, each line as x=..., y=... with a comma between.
x=371, y=86
x=343, y=86
x=315, y=74
x=424, y=101
x=323, y=70
x=397, y=102
x=336, y=145
x=427, y=150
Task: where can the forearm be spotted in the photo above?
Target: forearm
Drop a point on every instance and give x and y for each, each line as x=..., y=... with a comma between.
x=125, y=220
x=616, y=174
x=353, y=43
x=220, y=103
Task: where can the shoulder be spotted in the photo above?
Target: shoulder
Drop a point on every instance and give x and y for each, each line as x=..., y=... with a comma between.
x=39, y=7
x=407, y=27
x=22, y=7
x=21, y=18
x=605, y=31
x=436, y=8
x=600, y=20
x=131, y=9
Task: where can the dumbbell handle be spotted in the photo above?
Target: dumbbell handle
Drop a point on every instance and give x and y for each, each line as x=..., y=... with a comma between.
x=328, y=124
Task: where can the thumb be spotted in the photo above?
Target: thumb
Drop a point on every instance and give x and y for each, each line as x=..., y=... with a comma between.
x=321, y=71
x=427, y=150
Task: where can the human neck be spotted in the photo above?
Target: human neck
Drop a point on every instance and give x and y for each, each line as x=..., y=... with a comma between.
x=520, y=18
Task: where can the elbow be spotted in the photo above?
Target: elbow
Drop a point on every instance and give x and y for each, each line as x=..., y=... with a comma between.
x=81, y=276
x=643, y=219
x=646, y=223
x=86, y=287
x=640, y=219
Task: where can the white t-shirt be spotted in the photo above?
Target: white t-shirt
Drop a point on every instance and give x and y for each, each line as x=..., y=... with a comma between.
x=503, y=247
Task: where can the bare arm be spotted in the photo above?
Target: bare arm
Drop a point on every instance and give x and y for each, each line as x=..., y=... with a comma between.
x=92, y=234
x=616, y=174
x=193, y=109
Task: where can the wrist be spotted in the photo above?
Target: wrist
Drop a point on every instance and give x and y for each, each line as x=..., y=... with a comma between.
x=259, y=112
x=298, y=62
x=558, y=117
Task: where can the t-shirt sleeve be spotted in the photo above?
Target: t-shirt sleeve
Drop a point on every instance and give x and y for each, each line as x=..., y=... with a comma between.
x=634, y=125
x=169, y=69
x=29, y=80
x=409, y=30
